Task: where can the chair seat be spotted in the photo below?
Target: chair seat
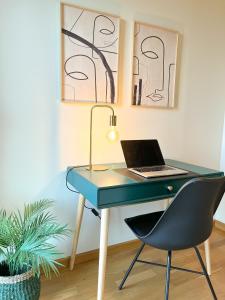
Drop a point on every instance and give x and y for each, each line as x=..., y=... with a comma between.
x=143, y=224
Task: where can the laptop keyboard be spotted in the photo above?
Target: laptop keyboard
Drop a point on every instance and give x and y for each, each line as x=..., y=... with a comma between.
x=152, y=169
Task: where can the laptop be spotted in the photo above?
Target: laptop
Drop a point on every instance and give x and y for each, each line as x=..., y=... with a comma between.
x=144, y=157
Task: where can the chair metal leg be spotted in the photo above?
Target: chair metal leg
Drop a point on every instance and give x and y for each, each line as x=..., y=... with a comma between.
x=205, y=273
x=168, y=274
x=131, y=266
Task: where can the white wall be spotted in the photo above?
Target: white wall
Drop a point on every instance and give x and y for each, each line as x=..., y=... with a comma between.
x=220, y=214
x=204, y=109
x=40, y=136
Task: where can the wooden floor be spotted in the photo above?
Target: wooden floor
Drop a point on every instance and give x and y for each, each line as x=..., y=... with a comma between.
x=145, y=281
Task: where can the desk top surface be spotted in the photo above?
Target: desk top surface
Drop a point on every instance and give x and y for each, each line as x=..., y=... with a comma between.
x=118, y=175
x=118, y=186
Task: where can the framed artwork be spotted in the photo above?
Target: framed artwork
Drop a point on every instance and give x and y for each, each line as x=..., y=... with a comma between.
x=90, y=49
x=154, y=66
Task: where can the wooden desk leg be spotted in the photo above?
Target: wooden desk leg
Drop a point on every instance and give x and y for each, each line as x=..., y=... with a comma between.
x=80, y=209
x=207, y=256
x=103, y=252
x=167, y=203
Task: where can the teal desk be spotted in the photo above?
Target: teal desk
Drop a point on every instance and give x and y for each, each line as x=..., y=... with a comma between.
x=117, y=186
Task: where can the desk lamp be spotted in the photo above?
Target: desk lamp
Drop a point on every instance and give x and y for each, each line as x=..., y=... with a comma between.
x=112, y=135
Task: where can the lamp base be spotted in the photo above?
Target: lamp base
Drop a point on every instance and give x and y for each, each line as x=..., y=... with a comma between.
x=97, y=168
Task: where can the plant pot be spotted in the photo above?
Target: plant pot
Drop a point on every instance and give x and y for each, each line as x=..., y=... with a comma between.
x=20, y=287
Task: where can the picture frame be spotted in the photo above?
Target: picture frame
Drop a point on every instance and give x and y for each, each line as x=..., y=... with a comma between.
x=90, y=55
x=154, y=66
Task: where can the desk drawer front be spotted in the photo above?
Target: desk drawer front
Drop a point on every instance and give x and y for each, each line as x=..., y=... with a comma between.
x=139, y=193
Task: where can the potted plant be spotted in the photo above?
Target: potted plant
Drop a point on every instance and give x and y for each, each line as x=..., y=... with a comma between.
x=25, y=250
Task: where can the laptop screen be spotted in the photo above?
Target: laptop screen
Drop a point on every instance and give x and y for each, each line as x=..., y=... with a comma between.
x=142, y=153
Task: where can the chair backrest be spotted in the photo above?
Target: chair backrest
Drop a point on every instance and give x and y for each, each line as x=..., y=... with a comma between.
x=188, y=221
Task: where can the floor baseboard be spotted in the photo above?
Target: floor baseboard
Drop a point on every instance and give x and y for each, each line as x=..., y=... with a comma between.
x=94, y=254
x=219, y=225
x=133, y=244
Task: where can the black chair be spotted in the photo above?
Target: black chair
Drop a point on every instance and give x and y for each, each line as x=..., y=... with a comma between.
x=186, y=223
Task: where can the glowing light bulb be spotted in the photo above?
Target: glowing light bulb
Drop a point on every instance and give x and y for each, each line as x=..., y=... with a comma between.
x=112, y=134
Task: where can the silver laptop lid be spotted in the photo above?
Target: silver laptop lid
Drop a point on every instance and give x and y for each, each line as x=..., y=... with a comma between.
x=142, y=153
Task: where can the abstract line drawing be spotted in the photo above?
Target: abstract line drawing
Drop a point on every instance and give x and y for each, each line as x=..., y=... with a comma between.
x=90, y=50
x=154, y=66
